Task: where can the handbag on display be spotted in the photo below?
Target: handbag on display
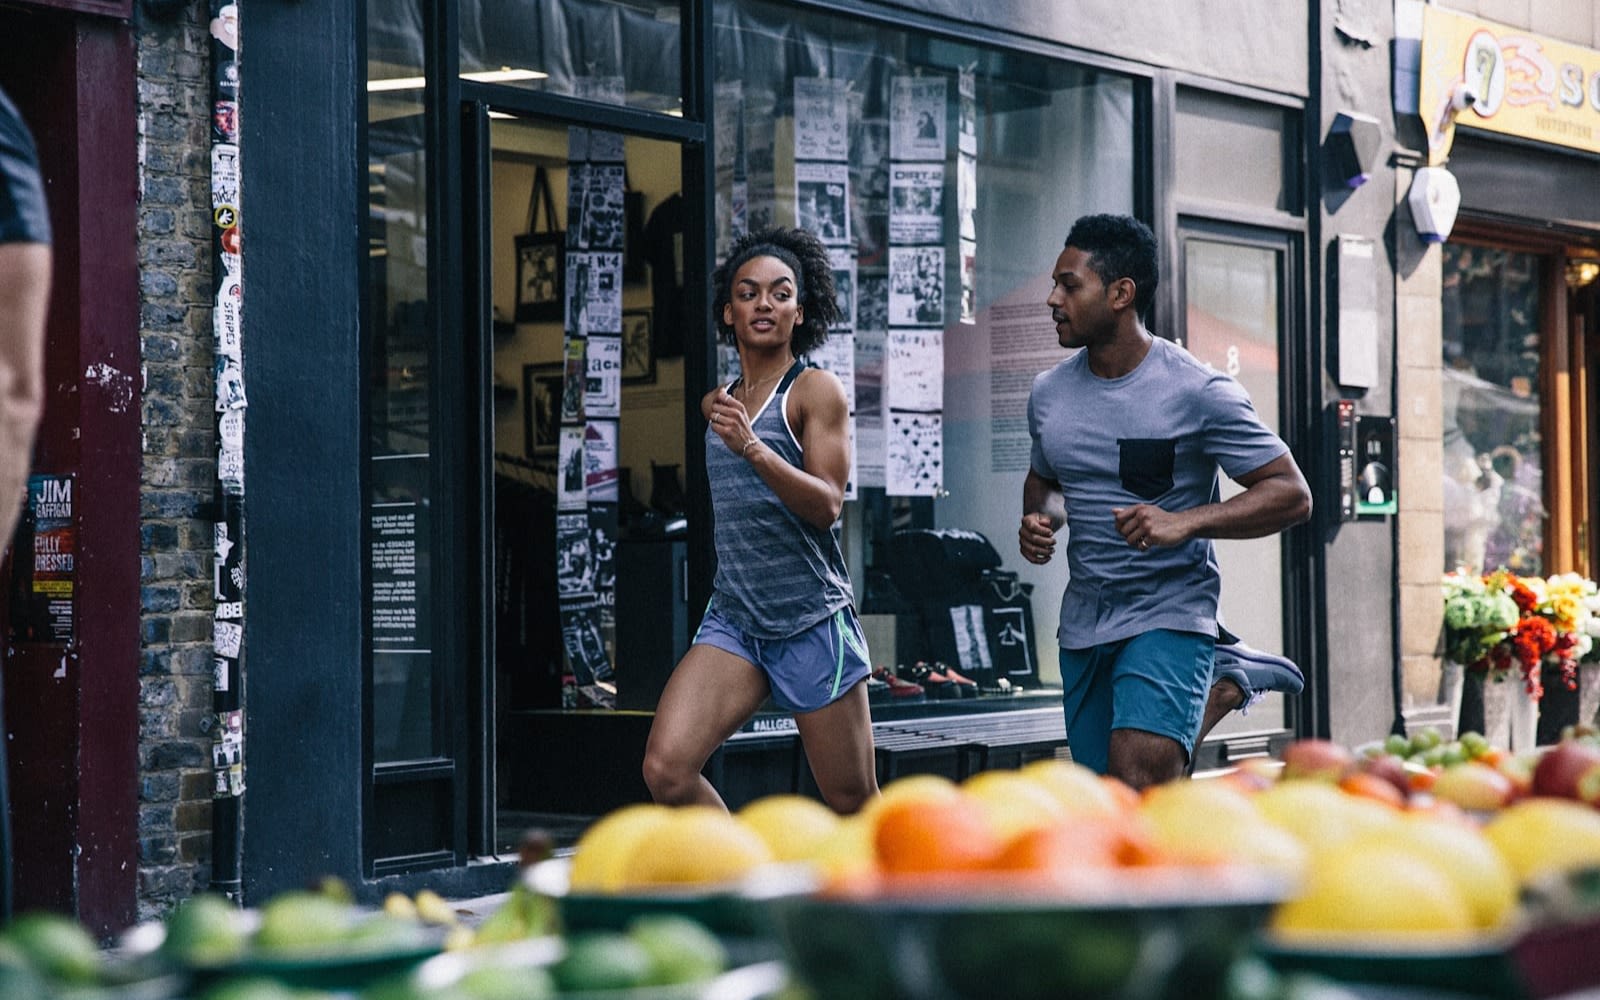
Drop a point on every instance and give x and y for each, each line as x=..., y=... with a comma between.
x=541, y=259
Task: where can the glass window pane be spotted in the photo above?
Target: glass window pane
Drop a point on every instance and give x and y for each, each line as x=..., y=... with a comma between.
x=1230, y=149
x=1493, y=481
x=605, y=50
x=401, y=441
x=863, y=132
x=1234, y=313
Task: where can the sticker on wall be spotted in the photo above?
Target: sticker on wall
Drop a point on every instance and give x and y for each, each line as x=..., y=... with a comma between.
x=916, y=203
x=44, y=563
x=917, y=118
x=602, y=394
x=225, y=121
x=914, y=369
x=916, y=286
x=227, y=79
x=224, y=174
x=227, y=754
x=225, y=26
x=822, y=200
x=914, y=454
x=230, y=384
x=821, y=119
x=230, y=297
x=230, y=451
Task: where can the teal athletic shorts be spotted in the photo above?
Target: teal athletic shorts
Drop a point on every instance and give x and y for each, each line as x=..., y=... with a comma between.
x=806, y=671
x=1156, y=681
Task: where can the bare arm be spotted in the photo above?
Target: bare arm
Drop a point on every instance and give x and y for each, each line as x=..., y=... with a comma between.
x=821, y=415
x=1043, y=511
x=1275, y=497
x=24, y=295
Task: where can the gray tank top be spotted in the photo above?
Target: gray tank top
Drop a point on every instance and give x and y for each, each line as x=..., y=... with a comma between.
x=777, y=574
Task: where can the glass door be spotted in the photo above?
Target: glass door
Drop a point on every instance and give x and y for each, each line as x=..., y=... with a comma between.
x=577, y=240
x=1235, y=315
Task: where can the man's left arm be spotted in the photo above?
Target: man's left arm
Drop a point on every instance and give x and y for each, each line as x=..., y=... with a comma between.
x=1275, y=497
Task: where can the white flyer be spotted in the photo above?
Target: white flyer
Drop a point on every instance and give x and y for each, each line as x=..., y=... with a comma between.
x=913, y=370
x=967, y=112
x=822, y=200
x=969, y=281
x=821, y=119
x=916, y=203
x=837, y=354
x=570, y=493
x=917, y=118
x=600, y=461
x=843, y=263
x=967, y=196
x=916, y=286
x=914, y=457
x=602, y=393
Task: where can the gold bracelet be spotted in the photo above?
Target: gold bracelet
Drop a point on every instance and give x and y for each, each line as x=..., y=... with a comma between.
x=743, y=452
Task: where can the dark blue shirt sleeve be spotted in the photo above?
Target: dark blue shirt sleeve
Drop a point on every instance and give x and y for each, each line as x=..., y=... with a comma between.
x=24, y=217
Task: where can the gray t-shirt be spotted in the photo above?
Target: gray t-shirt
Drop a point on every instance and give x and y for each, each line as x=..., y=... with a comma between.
x=1156, y=435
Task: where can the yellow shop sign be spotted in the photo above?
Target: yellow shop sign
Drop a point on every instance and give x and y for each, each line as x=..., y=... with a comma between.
x=1482, y=75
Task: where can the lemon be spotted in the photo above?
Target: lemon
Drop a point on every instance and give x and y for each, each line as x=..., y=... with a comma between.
x=1378, y=890
x=849, y=850
x=694, y=845
x=1012, y=803
x=913, y=787
x=1462, y=852
x=600, y=854
x=1197, y=821
x=1270, y=847
x=1540, y=836
x=1078, y=790
x=792, y=826
x=1319, y=814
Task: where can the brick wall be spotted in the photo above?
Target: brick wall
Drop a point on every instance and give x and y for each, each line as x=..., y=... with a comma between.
x=179, y=467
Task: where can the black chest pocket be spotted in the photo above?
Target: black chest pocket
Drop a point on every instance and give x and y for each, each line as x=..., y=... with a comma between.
x=1146, y=465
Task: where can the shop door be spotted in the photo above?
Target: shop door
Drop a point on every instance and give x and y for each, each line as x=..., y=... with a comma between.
x=1236, y=305
x=577, y=285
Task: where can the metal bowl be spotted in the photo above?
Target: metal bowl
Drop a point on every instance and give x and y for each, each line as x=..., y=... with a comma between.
x=1130, y=935
x=728, y=909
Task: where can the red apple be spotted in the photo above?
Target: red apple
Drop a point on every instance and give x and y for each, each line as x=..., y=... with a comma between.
x=1558, y=770
x=1391, y=769
x=1322, y=760
x=1473, y=786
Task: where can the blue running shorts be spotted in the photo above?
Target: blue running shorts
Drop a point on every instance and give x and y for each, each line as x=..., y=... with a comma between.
x=806, y=671
x=1156, y=681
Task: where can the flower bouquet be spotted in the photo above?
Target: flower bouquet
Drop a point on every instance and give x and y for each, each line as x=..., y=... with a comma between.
x=1500, y=622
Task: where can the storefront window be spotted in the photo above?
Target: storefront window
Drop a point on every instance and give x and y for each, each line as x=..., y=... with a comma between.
x=401, y=436
x=612, y=52
x=1494, y=512
x=946, y=176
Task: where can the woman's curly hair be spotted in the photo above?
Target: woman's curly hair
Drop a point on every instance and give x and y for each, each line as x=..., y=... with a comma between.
x=808, y=259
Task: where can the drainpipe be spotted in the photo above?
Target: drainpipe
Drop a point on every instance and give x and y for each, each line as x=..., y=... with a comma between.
x=227, y=630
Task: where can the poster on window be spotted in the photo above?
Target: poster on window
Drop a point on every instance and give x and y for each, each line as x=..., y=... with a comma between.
x=837, y=354
x=574, y=380
x=575, y=570
x=869, y=348
x=842, y=261
x=916, y=286
x=967, y=196
x=44, y=568
x=821, y=119
x=913, y=369
x=760, y=168
x=600, y=461
x=604, y=221
x=967, y=113
x=570, y=492
x=914, y=454
x=917, y=118
x=732, y=188
x=602, y=392
x=594, y=293
x=822, y=200
x=969, y=281
x=916, y=203
x=872, y=301
x=577, y=197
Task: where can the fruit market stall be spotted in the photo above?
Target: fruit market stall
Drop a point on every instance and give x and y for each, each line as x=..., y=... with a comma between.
x=1407, y=869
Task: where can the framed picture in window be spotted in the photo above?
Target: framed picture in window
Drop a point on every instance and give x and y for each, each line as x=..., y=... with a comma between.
x=638, y=357
x=541, y=408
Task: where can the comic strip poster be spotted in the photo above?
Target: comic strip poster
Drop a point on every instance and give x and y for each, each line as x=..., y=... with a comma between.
x=821, y=119
x=570, y=492
x=914, y=454
x=913, y=370
x=602, y=393
x=575, y=569
x=916, y=203
x=600, y=461
x=837, y=354
x=916, y=286
x=822, y=200
x=917, y=118
x=842, y=260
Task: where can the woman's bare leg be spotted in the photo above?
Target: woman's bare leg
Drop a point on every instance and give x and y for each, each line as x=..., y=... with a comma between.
x=838, y=743
x=708, y=697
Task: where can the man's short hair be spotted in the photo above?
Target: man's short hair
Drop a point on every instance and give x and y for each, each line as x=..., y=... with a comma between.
x=1120, y=246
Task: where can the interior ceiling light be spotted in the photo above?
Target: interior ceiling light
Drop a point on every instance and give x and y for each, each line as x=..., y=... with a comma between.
x=1581, y=273
x=505, y=74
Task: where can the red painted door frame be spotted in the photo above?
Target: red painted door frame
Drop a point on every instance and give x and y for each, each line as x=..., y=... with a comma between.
x=72, y=710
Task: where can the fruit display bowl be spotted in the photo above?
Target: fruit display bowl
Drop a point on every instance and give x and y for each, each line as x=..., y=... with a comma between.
x=1479, y=967
x=442, y=973
x=1130, y=935
x=726, y=908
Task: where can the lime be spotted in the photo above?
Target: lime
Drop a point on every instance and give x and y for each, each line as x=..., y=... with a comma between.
x=680, y=949
x=207, y=929
x=505, y=983
x=602, y=961
x=250, y=989
x=302, y=921
x=56, y=946
x=1397, y=745
x=1427, y=739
